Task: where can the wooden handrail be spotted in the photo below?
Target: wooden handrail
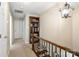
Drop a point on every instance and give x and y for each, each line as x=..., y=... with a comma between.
x=62, y=47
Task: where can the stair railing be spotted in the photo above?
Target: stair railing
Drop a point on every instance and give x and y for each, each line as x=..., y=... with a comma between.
x=50, y=49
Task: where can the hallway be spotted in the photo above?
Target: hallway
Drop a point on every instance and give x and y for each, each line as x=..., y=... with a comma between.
x=52, y=28
x=20, y=49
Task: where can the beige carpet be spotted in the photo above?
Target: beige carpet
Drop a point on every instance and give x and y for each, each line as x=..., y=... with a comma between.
x=20, y=49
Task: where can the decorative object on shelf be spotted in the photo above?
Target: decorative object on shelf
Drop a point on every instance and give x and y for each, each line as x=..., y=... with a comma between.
x=66, y=10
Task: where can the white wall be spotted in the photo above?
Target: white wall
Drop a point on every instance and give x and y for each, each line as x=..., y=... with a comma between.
x=55, y=28
x=75, y=27
x=4, y=40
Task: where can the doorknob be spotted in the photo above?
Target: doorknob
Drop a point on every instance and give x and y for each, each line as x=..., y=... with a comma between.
x=5, y=36
x=0, y=35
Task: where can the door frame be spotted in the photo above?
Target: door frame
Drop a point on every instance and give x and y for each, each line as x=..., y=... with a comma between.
x=30, y=28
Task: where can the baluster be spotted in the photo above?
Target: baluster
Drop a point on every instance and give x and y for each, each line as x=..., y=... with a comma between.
x=52, y=51
x=44, y=43
x=72, y=54
x=39, y=42
x=56, y=50
x=65, y=53
x=60, y=52
x=49, y=49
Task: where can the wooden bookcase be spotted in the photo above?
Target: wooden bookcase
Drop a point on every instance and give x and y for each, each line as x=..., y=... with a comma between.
x=34, y=27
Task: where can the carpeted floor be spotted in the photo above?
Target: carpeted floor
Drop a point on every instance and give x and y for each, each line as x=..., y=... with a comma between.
x=20, y=49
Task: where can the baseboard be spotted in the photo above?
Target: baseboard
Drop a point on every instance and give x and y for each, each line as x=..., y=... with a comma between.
x=18, y=38
x=26, y=42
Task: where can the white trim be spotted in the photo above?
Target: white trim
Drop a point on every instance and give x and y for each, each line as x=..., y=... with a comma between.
x=26, y=42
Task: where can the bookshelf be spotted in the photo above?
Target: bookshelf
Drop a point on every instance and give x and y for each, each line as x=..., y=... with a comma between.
x=34, y=27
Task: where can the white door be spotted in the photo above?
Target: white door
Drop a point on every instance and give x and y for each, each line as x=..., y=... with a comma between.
x=3, y=29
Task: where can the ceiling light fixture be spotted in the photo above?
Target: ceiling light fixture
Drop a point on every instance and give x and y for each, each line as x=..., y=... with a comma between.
x=65, y=12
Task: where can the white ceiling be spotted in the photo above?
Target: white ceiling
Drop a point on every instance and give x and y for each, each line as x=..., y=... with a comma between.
x=33, y=7
x=30, y=7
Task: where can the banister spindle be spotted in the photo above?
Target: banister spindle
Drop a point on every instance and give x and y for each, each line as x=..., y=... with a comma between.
x=56, y=50
x=72, y=54
x=44, y=43
x=49, y=49
x=65, y=53
x=52, y=51
x=60, y=52
x=39, y=42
